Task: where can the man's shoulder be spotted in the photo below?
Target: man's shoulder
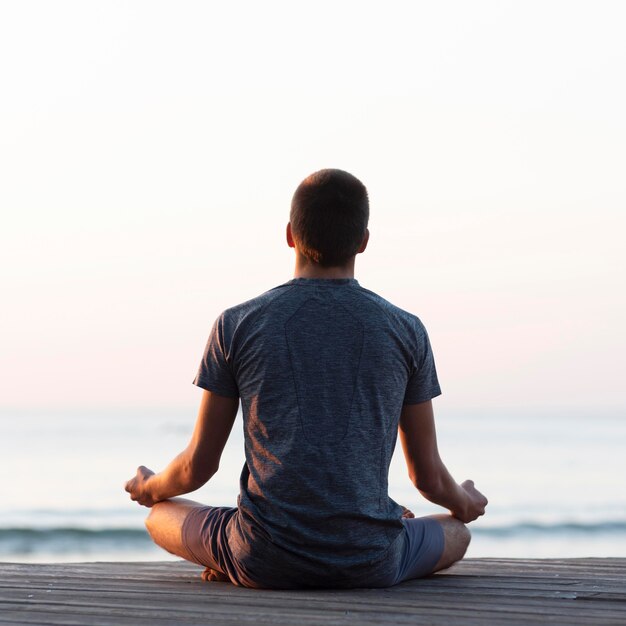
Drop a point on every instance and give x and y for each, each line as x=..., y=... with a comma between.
x=239, y=312
x=393, y=313
x=368, y=303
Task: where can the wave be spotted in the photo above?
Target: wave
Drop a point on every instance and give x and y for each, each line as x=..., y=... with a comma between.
x=139, y=535
x=56, y=544
x=102, y=534
x=29, y=541
x=556, y=528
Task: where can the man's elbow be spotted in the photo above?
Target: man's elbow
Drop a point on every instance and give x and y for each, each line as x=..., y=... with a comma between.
x=429, y=485
x=203, y=474
x=199, y=472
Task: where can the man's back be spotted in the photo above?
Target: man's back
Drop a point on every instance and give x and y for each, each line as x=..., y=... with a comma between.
x=328, y=374
x=323, y=368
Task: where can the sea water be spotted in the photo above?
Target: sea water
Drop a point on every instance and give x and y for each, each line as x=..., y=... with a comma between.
x=555, y=481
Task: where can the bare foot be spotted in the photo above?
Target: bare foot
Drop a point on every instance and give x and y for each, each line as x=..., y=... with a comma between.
x=213, y=575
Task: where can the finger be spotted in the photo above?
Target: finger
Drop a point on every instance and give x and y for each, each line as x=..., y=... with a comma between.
x=144, y=472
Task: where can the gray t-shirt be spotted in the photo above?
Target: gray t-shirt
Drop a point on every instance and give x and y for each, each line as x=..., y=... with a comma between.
x=322, y=367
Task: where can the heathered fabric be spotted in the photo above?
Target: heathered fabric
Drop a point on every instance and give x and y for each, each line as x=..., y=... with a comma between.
x=322, y=368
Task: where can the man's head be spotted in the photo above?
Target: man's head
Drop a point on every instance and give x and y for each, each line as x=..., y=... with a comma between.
x=329, y=215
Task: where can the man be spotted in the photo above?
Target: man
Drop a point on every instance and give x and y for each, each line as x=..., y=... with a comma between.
x=328, y=373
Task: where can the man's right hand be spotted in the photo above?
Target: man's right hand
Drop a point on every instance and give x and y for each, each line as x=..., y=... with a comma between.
x=475, y=503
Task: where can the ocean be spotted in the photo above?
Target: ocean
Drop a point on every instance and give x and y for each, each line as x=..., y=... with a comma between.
x=554, y=480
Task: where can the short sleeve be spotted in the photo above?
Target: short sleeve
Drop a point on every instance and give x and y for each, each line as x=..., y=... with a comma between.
x=215, y=372
x=423, y=384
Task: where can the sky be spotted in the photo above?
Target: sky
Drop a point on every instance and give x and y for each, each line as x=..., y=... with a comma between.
x=149, y=151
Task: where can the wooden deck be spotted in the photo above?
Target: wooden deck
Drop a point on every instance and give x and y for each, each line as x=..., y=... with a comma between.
x=476, y=591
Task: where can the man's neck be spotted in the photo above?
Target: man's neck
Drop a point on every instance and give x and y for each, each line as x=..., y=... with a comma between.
x=307, y=269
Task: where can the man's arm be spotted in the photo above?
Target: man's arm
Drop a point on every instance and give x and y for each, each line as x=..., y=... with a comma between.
x=193, y=467
x=426, y=469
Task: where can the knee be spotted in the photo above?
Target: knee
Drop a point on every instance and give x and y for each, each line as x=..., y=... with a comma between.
x=458, y=537
x=151, y=521
x=456, y=541
x=161, y=525
x=464, y=538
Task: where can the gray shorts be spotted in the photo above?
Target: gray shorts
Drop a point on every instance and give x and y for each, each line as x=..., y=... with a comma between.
x=204, y=534
x=423, y=548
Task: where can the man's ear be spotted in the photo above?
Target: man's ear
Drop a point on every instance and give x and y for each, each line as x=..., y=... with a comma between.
x=290, y=241
x=364, y=242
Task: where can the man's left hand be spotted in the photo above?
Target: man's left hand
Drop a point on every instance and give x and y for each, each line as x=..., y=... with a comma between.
x=139, y=487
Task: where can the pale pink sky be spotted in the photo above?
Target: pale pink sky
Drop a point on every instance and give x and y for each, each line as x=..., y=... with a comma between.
x=150, y=149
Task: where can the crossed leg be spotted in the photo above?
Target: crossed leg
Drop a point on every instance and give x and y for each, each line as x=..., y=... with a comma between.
x=165, y=527
x=166, y=519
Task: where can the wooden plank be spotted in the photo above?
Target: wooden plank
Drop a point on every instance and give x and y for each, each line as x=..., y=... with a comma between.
x=481, y=591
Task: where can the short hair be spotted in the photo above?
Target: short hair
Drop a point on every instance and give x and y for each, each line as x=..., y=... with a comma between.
x=329, y=215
